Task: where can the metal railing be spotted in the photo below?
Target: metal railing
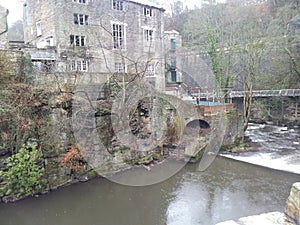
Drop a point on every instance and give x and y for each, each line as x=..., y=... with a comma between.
x=267, y=93
x=197, y=92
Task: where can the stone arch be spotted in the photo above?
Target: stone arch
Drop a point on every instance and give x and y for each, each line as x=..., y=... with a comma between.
x=198, y=123
x=197, y=127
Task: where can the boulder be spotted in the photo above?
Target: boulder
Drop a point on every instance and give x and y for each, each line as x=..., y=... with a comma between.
x=292, y=208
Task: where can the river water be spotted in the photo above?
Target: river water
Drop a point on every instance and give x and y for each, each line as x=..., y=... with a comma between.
x=229, y=189
x=272, y=146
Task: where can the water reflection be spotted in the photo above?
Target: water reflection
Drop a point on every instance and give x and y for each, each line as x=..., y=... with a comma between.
x=227, y=190
x=188, y=206
x=197, y=203
x=225, y=193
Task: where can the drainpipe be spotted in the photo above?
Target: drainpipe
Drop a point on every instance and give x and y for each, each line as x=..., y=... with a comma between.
x=6, y=26
x=161, y=81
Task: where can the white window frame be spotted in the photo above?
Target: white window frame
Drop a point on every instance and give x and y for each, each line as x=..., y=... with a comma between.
x=45, y=66
x=79, y=65
x=119, y=67
x=148, y=12
x=84, y=65
x=73, y=65
x=37, y=65
x=118, y=40
x=148, y=35
x=44, y=42
x=150, y=70
x=39, y=28
x=81, y=19
x=149, y=38
x=81, y=1
x=77, y=40
x=118, y=5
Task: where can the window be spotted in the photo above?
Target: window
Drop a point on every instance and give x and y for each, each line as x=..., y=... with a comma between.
x=84, y=65
x=119, y=68
x=148, y=39
x=45, y=66
x=173, y=44
x=39, y=28
x=148, y=12
x=76, y=20
x=73, y=65
x=77, y=40
x=173, y=62
x=49, y=42
x=149, y=70
x=80, y=1
x=148, y=35
x=173, y=76
x=45, y=42
x=79, y=65
x=118, y=34
x=81, y=19
x=118, y=5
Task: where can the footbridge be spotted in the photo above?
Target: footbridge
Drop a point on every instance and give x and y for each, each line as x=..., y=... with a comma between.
x=267, y=93
x=198, y=92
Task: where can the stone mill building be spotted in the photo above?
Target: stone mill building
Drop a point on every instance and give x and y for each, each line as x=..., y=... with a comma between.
x=97, y=36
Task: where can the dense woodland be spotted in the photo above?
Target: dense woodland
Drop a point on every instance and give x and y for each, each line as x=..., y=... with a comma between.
x=247, y=40
x=251, y=45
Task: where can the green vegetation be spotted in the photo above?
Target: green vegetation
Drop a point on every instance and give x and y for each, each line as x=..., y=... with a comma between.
x=226, y=31
x=250, y=45
x=25, y=114
x=22, y=173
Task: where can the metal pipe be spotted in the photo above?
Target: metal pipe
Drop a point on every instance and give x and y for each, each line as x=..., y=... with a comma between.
x=6, y=26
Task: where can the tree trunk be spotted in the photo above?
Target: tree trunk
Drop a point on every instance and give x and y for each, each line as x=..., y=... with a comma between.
x=248, y=88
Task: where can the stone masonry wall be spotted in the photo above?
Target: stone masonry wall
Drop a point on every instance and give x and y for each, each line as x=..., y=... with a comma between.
x=57, y=20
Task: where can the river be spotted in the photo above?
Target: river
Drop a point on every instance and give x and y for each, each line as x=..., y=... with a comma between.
x=228, y=189
x=272, y=146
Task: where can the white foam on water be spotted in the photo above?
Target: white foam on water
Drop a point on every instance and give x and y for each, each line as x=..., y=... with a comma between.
x=269, y=160
x=278, y=148
x=272, y=218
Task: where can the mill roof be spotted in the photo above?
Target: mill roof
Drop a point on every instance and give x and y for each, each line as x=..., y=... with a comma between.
x=148, y=3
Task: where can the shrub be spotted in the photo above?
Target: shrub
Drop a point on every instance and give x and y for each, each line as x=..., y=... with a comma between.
x=22, y=174
x=72, y=159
